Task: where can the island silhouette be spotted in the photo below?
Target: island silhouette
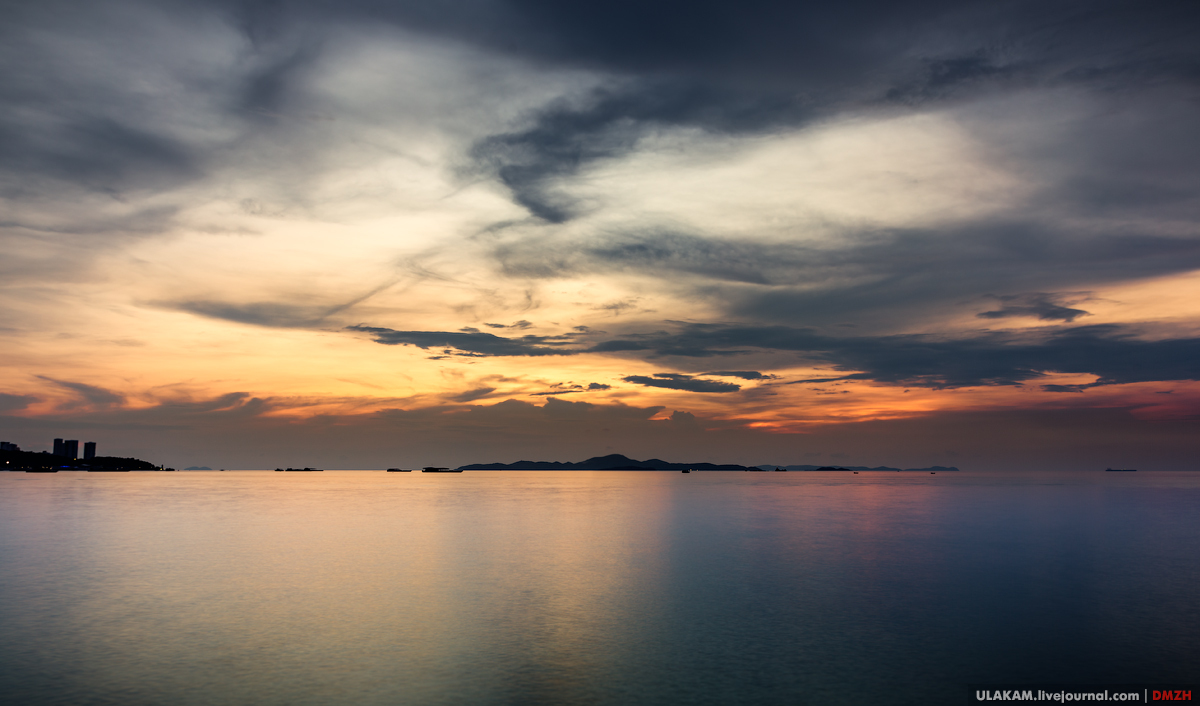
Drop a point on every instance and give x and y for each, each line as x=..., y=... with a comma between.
x=619, y=462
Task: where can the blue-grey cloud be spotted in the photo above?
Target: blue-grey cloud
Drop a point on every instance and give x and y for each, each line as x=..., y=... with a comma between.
x=15, y=403
x=900, y=271
x=98, y=153
x=1110, y=352
x=566, y=137
x=741, y=71
x=676, y=381
x=470, y=395
x=1040, y=305
x=472, y=343
x=1113, y=353
x=743, y=374
x=90, y=394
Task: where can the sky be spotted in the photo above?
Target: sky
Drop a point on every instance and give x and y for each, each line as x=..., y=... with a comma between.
x=368, y=233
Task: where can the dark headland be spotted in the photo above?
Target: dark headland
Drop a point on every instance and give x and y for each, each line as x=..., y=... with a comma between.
x=47, y=462
x=618, y=462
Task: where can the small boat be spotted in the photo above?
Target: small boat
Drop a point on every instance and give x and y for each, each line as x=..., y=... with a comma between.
x=933, y=473
x=1120, y=470
x=399, y=470
x=438, y=469
x=856, y=473
x=687, y=470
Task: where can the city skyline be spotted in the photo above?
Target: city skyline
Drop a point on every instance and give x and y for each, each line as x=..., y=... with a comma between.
x=258, y=234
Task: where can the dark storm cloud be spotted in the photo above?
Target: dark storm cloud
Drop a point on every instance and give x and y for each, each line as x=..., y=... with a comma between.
x=675, y=381
x=743, y=374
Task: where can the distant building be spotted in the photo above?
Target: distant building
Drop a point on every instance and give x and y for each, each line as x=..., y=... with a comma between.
x=71, y=449
x=89, y=451
x=5, y=446
x=59, y=449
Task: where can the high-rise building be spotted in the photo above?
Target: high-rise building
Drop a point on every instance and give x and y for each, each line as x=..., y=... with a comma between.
x=71, y=449
x=59, y=450
x=6, y=446
x=89, y=450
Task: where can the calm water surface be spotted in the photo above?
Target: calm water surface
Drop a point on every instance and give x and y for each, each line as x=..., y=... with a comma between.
x=590, y=587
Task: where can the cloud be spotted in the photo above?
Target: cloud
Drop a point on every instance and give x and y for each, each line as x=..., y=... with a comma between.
x=1039, y=305
x=89, y=394
x=753, y=71
x=557, y=161
x=1110, y=352
x=883, y=277
x=470, y=395
x=15, y=403
x=566, y=137
x=1113, y=353
x=572, y=389
x=743, y=374
x=472, y=344
x=683, y=418
x=271, y=314
x=98, y=153
x=1066, y=388
x=674, y=381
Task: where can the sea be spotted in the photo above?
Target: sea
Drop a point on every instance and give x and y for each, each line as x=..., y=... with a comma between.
x=601, y=587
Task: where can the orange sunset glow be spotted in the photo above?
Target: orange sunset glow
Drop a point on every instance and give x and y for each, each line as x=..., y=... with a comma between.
x=360, y=241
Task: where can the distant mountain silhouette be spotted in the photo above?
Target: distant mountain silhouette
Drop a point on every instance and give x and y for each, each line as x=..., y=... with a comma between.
x=612, y=462
x=618, y=462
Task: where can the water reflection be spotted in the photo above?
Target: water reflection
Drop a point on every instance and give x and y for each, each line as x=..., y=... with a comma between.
x=511, y=587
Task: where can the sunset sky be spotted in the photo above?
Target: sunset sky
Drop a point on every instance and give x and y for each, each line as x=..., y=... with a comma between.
x=361, y=234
